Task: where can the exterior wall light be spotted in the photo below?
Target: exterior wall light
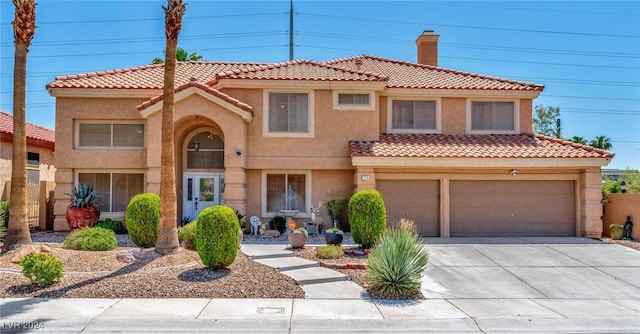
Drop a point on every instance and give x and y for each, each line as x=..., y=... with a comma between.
x=196, y=143
x=623, y=187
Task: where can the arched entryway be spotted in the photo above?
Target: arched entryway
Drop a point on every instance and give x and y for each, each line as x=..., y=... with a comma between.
x=203, y=170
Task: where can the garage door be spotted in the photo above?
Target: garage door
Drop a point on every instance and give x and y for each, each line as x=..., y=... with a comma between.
x=512, y=208
x=413, y=199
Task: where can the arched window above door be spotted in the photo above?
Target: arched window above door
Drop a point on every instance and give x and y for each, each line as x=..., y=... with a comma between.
x=210, y=153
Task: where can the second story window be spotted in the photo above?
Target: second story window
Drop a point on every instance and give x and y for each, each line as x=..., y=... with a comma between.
x=289, y=114
x=353, y=100
x=109, y=135
x=493, y=116
x=33, y=158
x=410, y=116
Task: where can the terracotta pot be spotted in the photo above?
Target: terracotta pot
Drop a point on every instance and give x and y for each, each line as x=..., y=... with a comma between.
x=78, y=218
x=297, y=240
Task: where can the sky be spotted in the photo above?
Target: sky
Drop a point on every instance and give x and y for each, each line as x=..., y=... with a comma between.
x=587, y=54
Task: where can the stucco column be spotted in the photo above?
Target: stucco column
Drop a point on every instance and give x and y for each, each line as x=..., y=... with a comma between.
x=154, y=143
x=64, y=185
x=445, y=207
x=235, y=188
x=365, y=178
x=590, y=203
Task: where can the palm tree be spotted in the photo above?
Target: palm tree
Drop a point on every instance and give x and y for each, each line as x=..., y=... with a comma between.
x=181, y=55
x=24, y=27
x=602, y=142
x=579, y=140
x=167, y=242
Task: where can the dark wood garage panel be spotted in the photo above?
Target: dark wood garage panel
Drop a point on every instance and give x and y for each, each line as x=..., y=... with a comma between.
x=512, y=208
x=413, y=199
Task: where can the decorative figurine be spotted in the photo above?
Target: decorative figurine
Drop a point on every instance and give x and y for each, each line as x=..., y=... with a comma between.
x=628, y=227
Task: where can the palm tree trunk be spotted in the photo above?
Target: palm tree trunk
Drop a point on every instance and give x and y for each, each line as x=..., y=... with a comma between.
x=24, y=28
x=167, y=242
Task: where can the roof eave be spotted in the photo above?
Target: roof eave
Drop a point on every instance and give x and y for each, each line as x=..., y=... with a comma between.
x=368, y=161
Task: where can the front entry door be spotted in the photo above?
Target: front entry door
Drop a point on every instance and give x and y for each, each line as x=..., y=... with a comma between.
x=202, y=190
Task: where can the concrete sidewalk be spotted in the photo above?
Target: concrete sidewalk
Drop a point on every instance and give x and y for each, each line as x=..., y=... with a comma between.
x=472, y=285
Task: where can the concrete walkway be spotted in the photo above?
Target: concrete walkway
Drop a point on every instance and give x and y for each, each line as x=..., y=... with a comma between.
x=472, y=285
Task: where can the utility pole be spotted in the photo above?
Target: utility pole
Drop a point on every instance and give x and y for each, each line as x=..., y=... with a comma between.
x=291, y=31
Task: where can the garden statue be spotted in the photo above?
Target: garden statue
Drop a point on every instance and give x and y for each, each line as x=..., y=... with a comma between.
x=628, y=228
x=255, y=225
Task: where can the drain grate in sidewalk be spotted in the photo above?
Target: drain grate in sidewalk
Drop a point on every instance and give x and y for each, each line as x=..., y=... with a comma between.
x=270, y=310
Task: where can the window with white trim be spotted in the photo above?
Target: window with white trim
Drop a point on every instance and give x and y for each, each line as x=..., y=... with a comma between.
x=353, y=101
x=413, y=116
x=109, y=135
x=288, y=113
x=276, y=186
x=116, y=189
x=493, y=116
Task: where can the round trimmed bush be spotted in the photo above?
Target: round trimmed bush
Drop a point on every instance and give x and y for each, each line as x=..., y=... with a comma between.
x=367, y=217
x=114, y=225
x=187, y=235
x=217, y=236
x=91, y=239
x=143, y=219
x=41, y=268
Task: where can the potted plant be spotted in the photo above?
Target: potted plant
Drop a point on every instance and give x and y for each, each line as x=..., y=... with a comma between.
x=82, y=212
x=616, y=231
x=297, y=236
x=333, y=236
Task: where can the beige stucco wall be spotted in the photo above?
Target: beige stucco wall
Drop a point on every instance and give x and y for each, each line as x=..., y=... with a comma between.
x=618, y=208
x=454, y=115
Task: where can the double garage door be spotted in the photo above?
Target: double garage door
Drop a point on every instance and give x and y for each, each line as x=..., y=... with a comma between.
x=485, y=208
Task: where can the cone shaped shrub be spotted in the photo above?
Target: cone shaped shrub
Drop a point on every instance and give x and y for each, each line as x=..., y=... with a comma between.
x=143, y=219
x=217, y=240
x=367, y=217
x=395, y=265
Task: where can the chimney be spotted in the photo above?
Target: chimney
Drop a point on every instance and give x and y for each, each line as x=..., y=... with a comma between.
x=427, y=44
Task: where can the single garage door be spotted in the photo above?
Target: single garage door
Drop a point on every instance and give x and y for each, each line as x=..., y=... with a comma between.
x=512, y=208
x=413, y=199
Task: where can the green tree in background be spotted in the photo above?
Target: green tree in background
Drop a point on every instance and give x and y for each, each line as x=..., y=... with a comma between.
x=546, y=121
x=579, y=140
x=181, y=55
x=602, y=142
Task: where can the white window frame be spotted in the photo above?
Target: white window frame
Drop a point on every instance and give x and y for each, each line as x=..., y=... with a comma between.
x=76, y=136
x=110, y=214
x=307, y=185
x=337, y=106
x=310, y=116
x=390, y=128
x=516, y=117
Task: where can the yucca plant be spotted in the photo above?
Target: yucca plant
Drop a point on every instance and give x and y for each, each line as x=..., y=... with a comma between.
x=83, y=196
x=395, y=265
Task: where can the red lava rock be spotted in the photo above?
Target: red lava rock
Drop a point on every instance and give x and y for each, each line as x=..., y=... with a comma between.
x=329, y=265
x=342, y=266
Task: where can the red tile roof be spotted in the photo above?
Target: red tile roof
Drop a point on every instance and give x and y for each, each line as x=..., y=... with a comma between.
x=299, y=70
x=206, y=89
x=404, y=74
x=396, y=74
x=473, y=146
x=34, y=132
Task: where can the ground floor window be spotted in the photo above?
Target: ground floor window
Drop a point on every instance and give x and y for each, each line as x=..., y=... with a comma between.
x=277, y=196
x=116, y=189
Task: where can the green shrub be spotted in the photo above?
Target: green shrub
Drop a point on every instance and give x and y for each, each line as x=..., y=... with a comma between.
x=143, y=219
x=4, y=218
x=217, y=236
x=278, y=223
x=338, y=209
x=187, y=235
x=91, y=239
x=111, y=224
x=368, y=217
x=330, y=252
x=41, y=268
x=395, y=265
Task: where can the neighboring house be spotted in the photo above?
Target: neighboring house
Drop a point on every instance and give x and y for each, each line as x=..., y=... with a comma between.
x=454, y=151
x=40, y=149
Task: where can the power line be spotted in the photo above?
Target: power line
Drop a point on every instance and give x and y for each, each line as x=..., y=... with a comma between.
x=469, y=27
x=539, y=9
x=593, y=97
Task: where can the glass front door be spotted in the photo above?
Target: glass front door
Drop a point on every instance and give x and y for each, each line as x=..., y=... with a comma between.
x=202, y=190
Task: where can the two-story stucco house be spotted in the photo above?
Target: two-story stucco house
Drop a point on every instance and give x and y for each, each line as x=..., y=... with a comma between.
x=453, y=151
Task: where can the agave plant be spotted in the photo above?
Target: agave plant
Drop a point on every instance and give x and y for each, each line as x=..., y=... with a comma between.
x=83, y=196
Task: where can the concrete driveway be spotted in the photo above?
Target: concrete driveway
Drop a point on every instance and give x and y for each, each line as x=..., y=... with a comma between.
x=534, y=278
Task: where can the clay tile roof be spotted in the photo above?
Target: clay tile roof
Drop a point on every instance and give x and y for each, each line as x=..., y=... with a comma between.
x=404, y=74
x=473, y=146
x=145, y=77
x=207, y=89
x=34, y=132
x=300, y=70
